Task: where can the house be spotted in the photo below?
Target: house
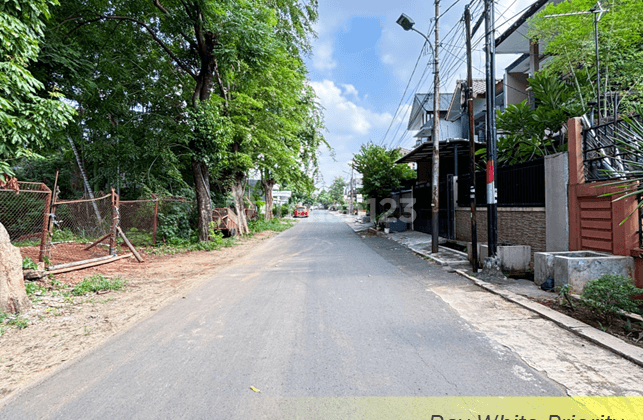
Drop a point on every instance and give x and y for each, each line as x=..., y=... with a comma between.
x=514, y=41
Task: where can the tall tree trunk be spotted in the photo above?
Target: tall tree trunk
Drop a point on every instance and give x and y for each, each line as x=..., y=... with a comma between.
x=238, y=196
x=268, y=184
x=204, y=205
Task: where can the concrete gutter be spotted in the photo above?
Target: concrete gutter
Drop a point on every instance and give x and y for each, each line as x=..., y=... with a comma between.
x=617, y=346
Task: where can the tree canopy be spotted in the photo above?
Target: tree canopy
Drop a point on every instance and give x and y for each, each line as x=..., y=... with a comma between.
x=29, y=113
x=570, y=46
x=184, y=95
x=380, y=173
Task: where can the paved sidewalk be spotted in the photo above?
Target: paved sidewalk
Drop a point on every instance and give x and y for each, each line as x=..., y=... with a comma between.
x=515, y=291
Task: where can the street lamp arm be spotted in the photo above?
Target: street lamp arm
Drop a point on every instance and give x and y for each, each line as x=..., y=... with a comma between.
x=424, y=36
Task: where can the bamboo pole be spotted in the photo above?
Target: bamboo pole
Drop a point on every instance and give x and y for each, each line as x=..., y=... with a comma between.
x=129, y=245
x=88, y=265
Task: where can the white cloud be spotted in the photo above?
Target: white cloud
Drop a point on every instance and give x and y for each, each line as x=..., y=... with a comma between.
x=323, y=57
x=343, y=116
x=350, y=90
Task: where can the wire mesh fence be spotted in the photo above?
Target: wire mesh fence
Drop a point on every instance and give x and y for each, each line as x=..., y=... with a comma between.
x=77, y=223
x=24, y=213
x=147, y=221
x=138, y=219
x=61, y=232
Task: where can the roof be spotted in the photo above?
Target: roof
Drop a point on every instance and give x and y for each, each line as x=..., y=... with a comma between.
x=424, y=151
x=514, y=39
x=423, y=102
x=479, y=91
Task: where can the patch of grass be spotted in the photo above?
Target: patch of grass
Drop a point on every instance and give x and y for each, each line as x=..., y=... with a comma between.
x=178, y=245
x=97, y=283
x=276, y=225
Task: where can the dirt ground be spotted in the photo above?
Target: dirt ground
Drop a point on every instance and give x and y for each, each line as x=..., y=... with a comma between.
x=62, y=328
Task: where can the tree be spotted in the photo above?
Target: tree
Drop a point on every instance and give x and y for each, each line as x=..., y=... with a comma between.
x=528, y=133
x=380, y=173
x=570, y=47
x=336, y=190
x=28, y=114
x=215, y=51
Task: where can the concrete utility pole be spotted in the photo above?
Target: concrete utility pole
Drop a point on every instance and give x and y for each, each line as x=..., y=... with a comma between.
x=407, y=23
x=350, y=206
x=435, y=161
x=490, y=51
x=472, y=145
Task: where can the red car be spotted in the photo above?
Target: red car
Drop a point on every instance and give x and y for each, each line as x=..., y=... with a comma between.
x=301, y=212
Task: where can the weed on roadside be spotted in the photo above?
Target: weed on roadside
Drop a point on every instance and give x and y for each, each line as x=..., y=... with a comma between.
x=14, y=320
x=97, y=283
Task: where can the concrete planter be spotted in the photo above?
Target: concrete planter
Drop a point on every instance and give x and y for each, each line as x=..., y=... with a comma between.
x=513, y=258
x=577, y=268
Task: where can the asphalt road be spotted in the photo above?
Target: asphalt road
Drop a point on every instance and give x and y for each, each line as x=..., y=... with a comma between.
x=317, y=311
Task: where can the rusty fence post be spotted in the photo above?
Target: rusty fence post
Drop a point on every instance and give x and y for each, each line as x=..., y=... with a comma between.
x=154, y=221
x=45, y=222
x=115, y=219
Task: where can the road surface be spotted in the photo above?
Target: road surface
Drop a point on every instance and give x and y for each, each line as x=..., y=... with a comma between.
x=317, y=311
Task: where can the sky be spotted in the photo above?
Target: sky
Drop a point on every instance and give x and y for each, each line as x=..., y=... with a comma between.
x=362, y=61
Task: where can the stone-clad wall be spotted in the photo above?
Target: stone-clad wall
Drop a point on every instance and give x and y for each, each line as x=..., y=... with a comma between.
x=516, y=225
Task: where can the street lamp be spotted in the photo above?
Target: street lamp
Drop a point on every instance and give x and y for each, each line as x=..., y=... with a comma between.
x=407, y=23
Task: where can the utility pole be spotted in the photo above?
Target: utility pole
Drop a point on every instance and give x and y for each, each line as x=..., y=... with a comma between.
x=472, y=144
x=490, y=52
x=435, y=161
x=350, y=209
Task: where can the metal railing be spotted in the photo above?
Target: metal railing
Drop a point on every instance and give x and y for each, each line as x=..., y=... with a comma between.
x=611, y=150
x=519, y=185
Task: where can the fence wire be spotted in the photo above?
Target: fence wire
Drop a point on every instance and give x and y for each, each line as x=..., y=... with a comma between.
x=24, y=213
x=74, y=225
x=146, y=222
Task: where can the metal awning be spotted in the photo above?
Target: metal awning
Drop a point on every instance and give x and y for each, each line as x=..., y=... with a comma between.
x=424, y=152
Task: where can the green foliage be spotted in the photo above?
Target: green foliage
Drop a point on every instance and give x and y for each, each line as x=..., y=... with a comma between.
x=336, y=190
x=610, y=294
x=527, y=133
x=303, y=197
x=282, y=210
x=380, y=173
x=563, y=295
x=570, y=46
x=16, y=320
x=28, y=263
x=31, y=288
x=97, y=283
x=275, y=225
x=28, y=113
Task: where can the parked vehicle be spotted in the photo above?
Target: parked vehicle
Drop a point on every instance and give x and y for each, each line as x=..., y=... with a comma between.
x=300, y=211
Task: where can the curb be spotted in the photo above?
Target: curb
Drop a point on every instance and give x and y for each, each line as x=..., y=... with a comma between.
x=615, y=345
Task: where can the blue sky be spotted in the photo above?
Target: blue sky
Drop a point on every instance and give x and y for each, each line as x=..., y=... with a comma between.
x=362, y=61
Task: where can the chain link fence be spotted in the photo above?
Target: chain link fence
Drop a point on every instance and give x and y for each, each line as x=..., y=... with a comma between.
x=77, y=223
x=24, y=213
x=147, y=221
x=60, y=232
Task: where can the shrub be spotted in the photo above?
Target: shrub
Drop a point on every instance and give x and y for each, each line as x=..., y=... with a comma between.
x=610, y=294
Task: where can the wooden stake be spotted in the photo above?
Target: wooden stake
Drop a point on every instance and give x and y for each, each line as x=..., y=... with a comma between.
x=129, y=245
x=98, y=241
x=88, y=265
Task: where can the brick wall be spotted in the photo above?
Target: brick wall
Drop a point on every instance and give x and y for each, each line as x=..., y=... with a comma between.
x=519, y=226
